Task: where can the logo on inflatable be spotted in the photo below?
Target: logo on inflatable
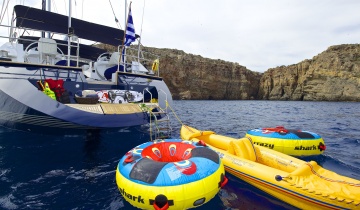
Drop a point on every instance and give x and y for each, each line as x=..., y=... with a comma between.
x=271, y=146
x=313, y=147
x=131, y=197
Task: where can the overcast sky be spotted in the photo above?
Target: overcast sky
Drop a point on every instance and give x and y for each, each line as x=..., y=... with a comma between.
x=258, y=34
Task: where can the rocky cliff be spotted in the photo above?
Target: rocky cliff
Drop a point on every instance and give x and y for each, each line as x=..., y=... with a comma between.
x=194, y=77
x=333, y=75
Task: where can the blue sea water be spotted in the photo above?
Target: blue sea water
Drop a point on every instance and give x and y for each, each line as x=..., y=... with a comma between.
x=78, y=172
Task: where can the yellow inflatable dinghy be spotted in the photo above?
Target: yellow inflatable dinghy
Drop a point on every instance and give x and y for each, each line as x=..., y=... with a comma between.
x=305, y=185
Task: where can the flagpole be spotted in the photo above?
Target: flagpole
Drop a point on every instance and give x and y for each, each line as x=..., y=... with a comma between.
x=126, y=23
x=123, y=41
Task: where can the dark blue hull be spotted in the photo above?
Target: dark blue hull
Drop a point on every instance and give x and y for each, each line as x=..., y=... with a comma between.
x=24, y=107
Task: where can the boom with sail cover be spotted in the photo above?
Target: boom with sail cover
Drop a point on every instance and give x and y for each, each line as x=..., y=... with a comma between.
x=32, y=18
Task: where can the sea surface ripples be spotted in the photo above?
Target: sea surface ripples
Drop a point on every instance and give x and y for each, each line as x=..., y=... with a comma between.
x=78, y=172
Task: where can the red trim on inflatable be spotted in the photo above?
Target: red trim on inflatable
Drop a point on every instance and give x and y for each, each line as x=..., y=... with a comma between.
x=168, y=151
x=202, y=143
x=279, y=129
x=163, y=208
x=322, y=147
x=188, y=169
x=225, y=181
x=129, y=159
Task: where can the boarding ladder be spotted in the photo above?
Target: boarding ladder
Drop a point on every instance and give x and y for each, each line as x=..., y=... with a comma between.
x=159, y=126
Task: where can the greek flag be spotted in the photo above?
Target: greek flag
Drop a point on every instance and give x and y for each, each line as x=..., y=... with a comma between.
x=130, y=30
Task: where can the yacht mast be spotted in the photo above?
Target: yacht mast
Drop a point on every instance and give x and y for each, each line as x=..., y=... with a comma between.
x=43, y=7
x=70, y=33
x=49, y=9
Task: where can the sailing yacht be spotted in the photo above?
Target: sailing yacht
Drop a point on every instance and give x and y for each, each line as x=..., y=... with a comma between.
x=63, y=86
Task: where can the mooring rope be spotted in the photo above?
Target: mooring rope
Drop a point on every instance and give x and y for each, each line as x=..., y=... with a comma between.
x=167, y=105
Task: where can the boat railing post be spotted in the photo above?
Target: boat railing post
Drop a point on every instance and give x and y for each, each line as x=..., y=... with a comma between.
x=144, y=94
x=40, y=54
x=77, y=50
x=166, y=99
x=12, y=27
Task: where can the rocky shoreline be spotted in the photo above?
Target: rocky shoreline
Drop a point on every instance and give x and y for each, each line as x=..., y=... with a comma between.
x=333, y=75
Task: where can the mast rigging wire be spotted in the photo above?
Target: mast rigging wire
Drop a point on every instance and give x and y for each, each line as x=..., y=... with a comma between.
x=6, y=8
x=142, y=20
x=116, y=20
